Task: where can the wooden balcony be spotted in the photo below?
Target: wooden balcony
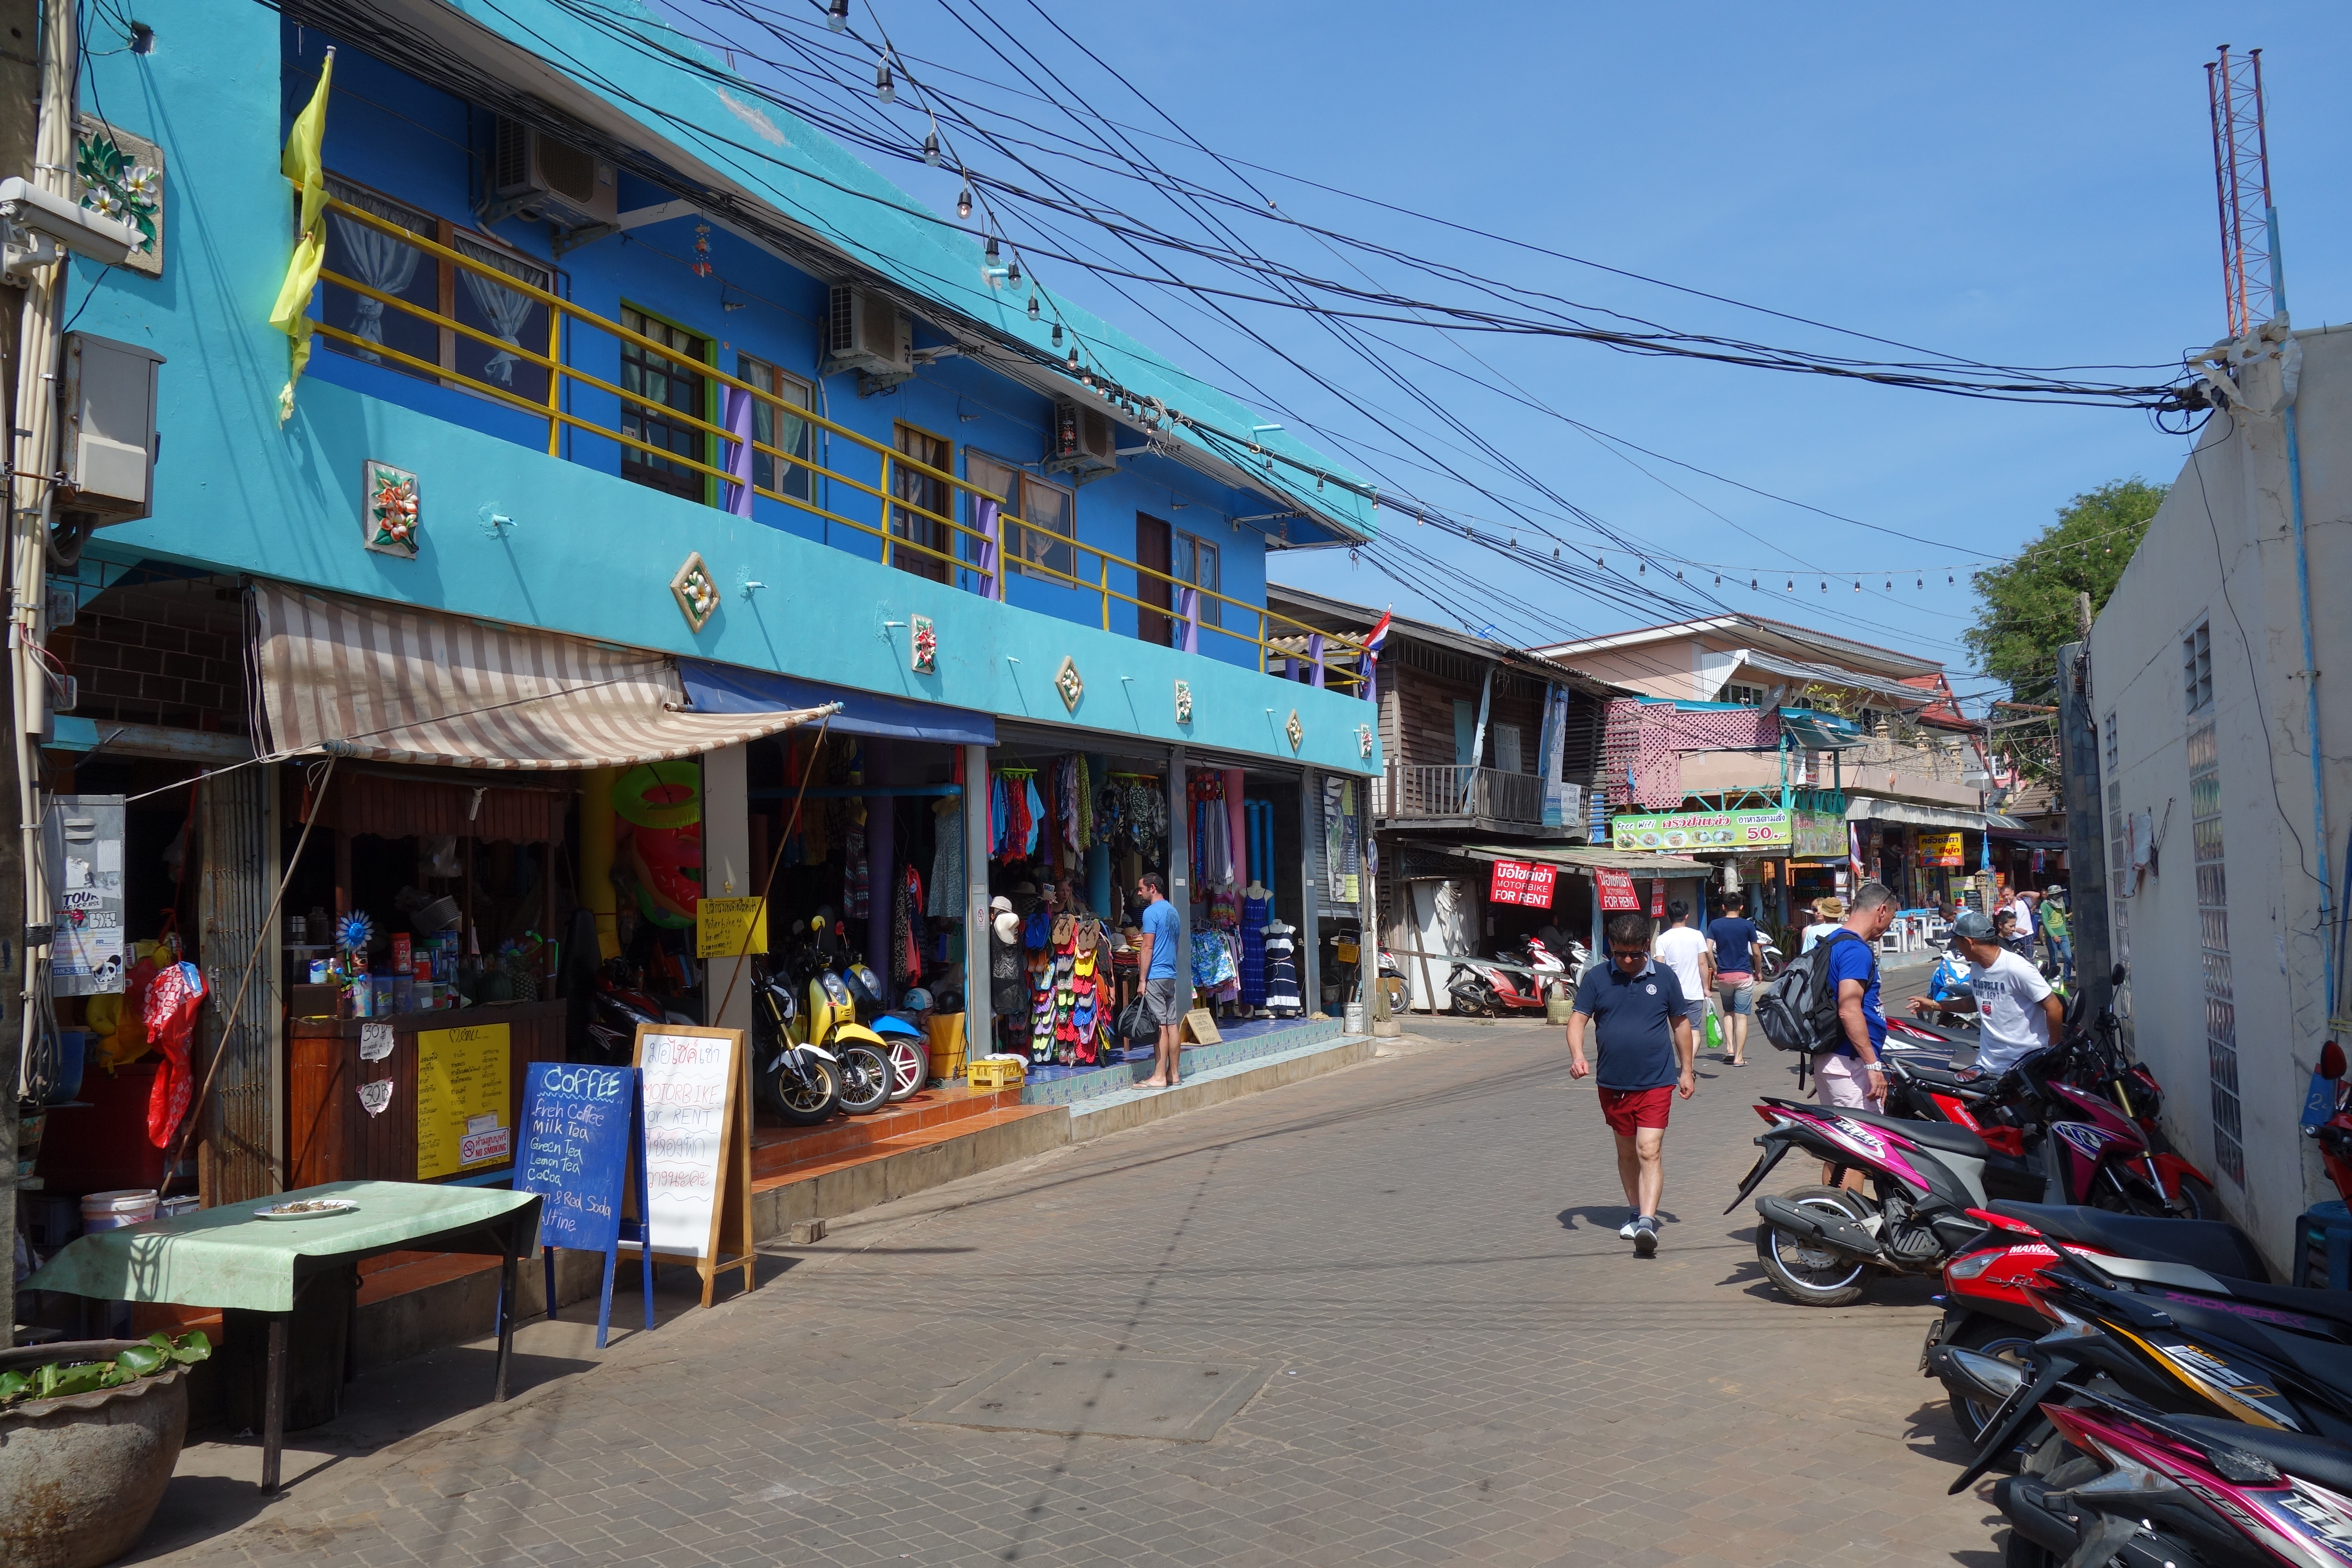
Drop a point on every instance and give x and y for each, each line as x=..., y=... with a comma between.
x=1417, y=795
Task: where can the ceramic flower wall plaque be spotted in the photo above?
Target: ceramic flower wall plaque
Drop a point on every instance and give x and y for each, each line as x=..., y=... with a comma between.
x=925, y=659
x=1296, y=731
x=696, y=593
x=1364, y=740
x=1184, y=703
x=389, y=519
x=1067, y=681
x=120, y=177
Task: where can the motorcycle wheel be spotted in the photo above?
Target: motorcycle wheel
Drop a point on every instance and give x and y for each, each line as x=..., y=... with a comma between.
x=2003, y=1341
x=803, y=1103
x=2198, y=1200
x=1807, y=1273
x=2127, y=1192
x=865, y=1075
x=910, y=1066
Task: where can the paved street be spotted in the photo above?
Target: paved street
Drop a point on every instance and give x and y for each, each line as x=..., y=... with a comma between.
x=1462, y=1364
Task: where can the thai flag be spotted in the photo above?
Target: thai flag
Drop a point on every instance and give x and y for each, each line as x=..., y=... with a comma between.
x=1379, y=635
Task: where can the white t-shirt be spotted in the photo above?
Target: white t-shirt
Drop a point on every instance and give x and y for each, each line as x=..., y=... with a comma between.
x=2011, y=1021
x=1814, y=934
x=1679, y=948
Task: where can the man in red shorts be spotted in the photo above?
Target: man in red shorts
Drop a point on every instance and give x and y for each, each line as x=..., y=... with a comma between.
x=1636, y=1009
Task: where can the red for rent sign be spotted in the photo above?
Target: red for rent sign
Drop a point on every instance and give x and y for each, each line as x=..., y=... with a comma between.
x=1616, y=890
x=1520, y=882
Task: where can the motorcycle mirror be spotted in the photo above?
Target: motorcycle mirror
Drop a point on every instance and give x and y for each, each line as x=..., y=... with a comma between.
x=2331, y=1061
x=2118, y=978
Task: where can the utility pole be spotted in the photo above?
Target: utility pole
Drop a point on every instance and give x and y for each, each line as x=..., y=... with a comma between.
x=36, y=99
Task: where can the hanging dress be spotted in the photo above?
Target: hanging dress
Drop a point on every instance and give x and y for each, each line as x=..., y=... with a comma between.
x=1255, y=914
x=1281, y=971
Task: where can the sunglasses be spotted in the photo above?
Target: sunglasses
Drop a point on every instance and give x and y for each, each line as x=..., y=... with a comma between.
x=1624, y=955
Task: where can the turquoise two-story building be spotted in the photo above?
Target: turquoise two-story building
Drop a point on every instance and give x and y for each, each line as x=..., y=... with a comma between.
x=644, y=434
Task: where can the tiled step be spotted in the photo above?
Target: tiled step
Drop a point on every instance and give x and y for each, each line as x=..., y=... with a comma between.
x=774, y=1148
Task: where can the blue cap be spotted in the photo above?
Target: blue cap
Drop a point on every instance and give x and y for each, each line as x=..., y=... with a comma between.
x=1973, y=925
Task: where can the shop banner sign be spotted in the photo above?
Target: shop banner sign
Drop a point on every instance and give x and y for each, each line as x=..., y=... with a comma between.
x=462, y=1109
x=1942, y=849
x=584, y=1149
x=1819, y=833
x=1616, y=890
x=1530, y=885
x=1703, y=830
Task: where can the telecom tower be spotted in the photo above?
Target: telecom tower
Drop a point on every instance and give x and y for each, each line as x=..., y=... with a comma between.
x=2252, y=280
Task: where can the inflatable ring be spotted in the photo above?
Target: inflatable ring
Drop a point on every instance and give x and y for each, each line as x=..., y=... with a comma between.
x=659, y=794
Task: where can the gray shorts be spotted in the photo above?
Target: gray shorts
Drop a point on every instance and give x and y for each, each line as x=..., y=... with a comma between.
x=1162, y=1003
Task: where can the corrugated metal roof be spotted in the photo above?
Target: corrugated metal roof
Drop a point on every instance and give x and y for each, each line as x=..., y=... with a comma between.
x=1830, y=675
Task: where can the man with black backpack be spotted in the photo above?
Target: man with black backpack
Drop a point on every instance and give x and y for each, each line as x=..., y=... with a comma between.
x=1826, y=1005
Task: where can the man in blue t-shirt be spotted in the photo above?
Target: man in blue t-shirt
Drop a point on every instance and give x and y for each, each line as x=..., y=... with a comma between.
x=1163, y=997
x=1637, y=1011
x=1733, y=937
x=1848, y=1074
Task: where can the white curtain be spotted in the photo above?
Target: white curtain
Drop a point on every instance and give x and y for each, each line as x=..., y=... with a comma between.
x=508, y=311
x=383, y=264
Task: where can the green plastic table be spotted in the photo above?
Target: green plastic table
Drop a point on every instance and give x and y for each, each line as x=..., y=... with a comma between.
x=227, y=1257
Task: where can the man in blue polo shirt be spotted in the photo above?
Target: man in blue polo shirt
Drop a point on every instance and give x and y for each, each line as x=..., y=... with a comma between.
x=1637, y=1011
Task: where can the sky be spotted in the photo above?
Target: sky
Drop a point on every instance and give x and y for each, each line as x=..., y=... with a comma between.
x=2021, y=186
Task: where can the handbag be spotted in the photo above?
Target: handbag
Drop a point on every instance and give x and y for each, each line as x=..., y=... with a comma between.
x=1135, y=1024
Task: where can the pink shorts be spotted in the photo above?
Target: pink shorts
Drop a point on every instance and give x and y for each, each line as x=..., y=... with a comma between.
x=1843, y=1081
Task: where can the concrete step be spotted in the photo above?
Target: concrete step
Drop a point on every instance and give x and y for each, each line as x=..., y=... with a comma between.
x=775, y=1148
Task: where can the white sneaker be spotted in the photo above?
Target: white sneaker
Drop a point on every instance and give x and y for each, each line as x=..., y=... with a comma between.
x=1625, y=1231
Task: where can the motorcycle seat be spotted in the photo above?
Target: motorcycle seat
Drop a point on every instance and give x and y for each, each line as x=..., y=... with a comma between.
x=1957, y=1080
x=2319, y=1460
x=2214, y=1246
x=1944, y=1137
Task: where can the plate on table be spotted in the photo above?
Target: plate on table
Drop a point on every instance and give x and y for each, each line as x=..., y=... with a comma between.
x=308, y=1209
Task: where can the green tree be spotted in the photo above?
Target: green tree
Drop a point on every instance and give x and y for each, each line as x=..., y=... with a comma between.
x=2025, y=607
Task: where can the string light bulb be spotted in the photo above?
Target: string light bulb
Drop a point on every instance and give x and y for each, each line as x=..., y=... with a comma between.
x=1719, y=579
x=1012, y=274
x=1033, y=307
x=1921, y=584
x=931, y=149
x=836, y=16
x=1641, y=569
x=993, y=250
x=883, y=87
x=1857, y=584
x=1792, y=585
x=963, y=202
x=1751, y=585
x=1058, y=334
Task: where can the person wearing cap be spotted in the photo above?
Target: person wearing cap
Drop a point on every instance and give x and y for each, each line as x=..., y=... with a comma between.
x=1641, y=1022
x=2017, y=1012
x=2060, y=934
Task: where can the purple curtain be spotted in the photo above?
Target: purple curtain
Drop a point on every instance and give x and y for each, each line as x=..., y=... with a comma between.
x=740, y=453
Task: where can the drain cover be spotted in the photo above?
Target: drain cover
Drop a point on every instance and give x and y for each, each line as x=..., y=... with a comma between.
x=1093, y=1396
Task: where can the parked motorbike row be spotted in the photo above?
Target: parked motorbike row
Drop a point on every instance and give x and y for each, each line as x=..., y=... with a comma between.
x=2105, y=1338
x=1518, y=981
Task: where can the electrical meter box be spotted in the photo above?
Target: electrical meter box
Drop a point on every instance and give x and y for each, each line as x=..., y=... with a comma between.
x=109, y=431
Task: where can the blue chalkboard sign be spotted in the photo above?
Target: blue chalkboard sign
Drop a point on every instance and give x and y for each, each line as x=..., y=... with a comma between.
x=583, y=1141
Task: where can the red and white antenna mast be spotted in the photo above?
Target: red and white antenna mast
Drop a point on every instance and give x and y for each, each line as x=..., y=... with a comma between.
x=2253, y=282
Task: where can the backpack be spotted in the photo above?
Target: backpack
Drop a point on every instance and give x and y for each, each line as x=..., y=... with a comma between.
x=1800, y=1012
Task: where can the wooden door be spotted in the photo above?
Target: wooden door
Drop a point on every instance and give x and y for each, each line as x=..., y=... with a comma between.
x=1154, y=548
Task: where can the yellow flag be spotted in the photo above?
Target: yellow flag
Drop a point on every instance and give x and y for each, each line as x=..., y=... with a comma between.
x=303, y=165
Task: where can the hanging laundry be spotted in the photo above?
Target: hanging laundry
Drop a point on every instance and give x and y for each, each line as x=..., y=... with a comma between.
x=1034, y=809
x=1087, y=839
x=1212, y=961
x=906, y=960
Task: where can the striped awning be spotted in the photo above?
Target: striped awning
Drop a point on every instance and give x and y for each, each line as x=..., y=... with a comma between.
x=361, y=678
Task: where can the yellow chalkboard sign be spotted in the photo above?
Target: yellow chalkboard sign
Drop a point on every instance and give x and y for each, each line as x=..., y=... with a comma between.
x=465, y=1117
x=720, y=925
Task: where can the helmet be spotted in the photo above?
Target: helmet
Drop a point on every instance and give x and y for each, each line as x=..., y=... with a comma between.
x=916, y=1001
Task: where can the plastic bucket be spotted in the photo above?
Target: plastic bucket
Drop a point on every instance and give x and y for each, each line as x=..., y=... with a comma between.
x=123, y=1206
x=947, y=1045
x=73, y=1046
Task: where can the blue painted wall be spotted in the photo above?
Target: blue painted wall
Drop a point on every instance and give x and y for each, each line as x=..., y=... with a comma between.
x=589, y=552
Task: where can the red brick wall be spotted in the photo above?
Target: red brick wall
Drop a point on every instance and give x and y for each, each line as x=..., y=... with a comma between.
x=169, y=652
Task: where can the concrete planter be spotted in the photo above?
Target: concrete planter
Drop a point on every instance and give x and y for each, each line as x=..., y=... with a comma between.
x=79, y=1477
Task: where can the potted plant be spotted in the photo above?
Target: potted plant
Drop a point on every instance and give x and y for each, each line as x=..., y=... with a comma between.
x=89, y=1432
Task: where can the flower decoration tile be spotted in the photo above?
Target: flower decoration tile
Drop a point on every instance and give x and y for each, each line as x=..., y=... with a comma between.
x=1296, y=731
x=1067, y=681
x=1363, y=741
x=120, y=177
x=924, y=656
x=1184, y=703
x=389, y=516
x=696, y=592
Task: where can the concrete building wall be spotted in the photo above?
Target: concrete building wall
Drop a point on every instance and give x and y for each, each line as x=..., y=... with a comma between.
x=2221, y=555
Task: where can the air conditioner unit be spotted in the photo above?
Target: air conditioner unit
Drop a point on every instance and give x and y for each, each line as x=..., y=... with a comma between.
x=1084, y=441
x=539, y=177
x=866, y=331
x=109, y=435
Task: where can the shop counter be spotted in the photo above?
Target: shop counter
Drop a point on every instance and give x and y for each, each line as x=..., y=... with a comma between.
x=334, y=1137
x=228, y=1258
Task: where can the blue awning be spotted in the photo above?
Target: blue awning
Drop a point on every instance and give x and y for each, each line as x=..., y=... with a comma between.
x=731, y=688
x=1819, y=731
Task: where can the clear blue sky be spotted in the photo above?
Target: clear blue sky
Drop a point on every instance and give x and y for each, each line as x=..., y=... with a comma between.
x=2023, y=184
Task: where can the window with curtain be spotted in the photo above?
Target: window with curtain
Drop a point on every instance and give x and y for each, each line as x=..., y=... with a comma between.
x=1196, y=563
x=379, y=261
x=1041, y=546
x=659, y=385
x=918, y=489
x=779, y=427
x=515, y=319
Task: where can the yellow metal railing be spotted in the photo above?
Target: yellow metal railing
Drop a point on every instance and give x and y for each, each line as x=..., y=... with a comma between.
x=990, y=558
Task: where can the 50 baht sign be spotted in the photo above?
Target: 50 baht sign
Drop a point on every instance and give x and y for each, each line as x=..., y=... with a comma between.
x=1704, y=830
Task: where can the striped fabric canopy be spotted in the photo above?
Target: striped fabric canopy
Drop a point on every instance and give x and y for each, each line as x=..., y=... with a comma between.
x=360, y=677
